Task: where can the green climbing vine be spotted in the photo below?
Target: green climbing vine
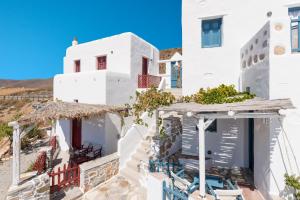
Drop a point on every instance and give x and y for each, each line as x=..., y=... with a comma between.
x=149, y=101
x=293, y=182
x=218, y=95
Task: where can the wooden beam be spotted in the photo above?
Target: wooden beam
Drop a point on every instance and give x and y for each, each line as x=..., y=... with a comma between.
x=240, y=115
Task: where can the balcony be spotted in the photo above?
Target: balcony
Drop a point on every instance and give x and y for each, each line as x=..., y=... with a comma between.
x=147, y=81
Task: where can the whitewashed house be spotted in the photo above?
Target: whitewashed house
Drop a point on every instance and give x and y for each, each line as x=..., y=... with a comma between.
x=106, y=71
x=170, y=67
x=248, y=44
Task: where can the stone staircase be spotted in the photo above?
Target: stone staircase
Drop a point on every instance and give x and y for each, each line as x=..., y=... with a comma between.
x=133, y=170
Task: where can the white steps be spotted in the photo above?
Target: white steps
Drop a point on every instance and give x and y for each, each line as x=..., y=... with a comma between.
x=132, y=169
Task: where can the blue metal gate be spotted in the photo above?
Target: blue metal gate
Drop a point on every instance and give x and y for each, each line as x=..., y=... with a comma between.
x=172, y=193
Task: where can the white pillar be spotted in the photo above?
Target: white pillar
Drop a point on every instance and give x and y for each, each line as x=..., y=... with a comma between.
x=201, y=128
x=16, y=153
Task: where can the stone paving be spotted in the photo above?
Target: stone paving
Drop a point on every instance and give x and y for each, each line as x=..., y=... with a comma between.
x=118, y=188
x=6, y=169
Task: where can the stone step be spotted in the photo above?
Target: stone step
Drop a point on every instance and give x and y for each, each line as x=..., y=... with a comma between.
x=131, y=175
x=140, y=155
x=133, y=164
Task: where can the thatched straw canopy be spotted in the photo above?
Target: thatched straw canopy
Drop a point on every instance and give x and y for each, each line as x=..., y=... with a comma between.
x=64, y=110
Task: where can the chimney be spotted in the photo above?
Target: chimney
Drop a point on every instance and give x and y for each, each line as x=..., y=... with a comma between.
x=75, y=41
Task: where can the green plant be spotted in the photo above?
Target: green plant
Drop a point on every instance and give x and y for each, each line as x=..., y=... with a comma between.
x=149, y=101
x=293, y=182
x=17, y=116
x=218, y=95
x=30, y=168
x=35, y=132
x=6, y=131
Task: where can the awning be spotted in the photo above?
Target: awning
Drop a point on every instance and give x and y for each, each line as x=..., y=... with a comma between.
x=63, y=110
x=252, y=105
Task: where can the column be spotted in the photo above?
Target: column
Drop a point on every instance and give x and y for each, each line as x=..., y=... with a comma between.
x=16, y=153
x=201, y=129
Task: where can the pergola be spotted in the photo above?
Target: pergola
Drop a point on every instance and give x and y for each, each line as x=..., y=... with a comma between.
x=254, y=108
x=51, y=111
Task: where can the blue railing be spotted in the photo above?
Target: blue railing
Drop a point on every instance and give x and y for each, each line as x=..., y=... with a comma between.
x=172, y=193
x=163, y=166
x=295, y=25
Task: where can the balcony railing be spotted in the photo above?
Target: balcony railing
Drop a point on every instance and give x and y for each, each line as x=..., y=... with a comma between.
x=147, y=81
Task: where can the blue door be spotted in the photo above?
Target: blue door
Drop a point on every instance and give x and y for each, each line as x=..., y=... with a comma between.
x=176, y=75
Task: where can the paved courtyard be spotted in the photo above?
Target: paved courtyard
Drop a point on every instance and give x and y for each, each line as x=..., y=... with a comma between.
x=117, y=188
x=6, y=169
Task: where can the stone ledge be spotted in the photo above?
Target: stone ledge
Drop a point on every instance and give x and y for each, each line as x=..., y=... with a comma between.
x=98, y=162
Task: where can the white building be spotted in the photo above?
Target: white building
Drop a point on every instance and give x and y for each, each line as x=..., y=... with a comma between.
x=248, y=44
x=170, y=67
x=106, y=71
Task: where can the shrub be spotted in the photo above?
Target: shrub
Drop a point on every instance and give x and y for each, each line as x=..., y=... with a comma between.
x=293, y=182
x=149, y=101
x=218, y=95
x=6, y=131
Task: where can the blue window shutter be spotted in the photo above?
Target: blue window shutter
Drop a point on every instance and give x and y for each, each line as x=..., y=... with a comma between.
x=211, y=33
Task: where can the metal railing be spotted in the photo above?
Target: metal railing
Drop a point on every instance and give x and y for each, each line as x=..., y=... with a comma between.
x=147, y=81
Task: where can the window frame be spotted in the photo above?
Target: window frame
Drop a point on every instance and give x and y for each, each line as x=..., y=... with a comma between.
x=97, y=62
x=220, y=44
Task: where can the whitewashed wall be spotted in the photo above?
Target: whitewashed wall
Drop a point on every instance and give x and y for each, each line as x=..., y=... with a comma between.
x=96, y=87
x=255, y=64
x=63, y=131
x=140, y=49
x=284, y=82
x=229, y=145
x=112, y=86
x=102, y=130
x=276, y=150
x=205, y=67
x=116, y=48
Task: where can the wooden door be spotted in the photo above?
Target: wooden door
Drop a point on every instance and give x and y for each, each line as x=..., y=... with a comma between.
x=76, y=133
x=145, y=66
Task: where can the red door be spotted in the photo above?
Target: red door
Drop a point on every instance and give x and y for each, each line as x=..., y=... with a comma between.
x=145, y=66
x=76, y=133
x=145, y=73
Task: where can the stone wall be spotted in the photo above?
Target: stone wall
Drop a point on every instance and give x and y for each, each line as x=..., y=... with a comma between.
x=34, y=189
x=98, y=171
x=172, y=141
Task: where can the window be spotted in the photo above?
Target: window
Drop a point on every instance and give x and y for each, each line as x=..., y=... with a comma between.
x=211, y=128
x=162, y=68
x=77, y=66
x=294, y=14
x=101, y=62
x=212, y=33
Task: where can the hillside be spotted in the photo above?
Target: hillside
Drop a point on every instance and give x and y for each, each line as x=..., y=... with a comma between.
x=32, y=83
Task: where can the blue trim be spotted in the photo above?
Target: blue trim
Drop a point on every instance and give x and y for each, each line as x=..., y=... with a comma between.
x=211, y=34
x=293, y=28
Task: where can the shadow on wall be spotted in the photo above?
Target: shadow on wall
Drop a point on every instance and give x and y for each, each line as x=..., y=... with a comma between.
x=281, y=142
x=226, y=147
x=190, y=137
x=225, y=144
x=112, y=133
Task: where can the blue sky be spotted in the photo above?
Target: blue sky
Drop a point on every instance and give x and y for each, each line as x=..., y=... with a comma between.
x=34, y=34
